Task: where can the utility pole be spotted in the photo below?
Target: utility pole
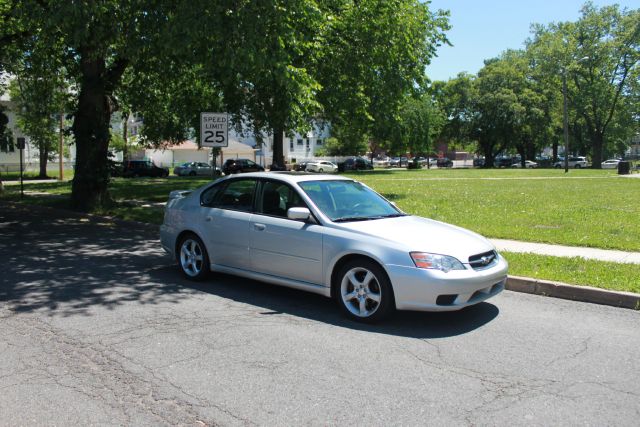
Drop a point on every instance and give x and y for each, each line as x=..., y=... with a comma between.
x=61, y=146
x=565, y=121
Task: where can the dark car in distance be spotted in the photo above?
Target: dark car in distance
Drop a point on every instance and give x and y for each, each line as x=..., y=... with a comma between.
x=240, y=166
x=300, y=166
x=503, y=162
x=444, y=163
x=355, y=164
x=136, y=168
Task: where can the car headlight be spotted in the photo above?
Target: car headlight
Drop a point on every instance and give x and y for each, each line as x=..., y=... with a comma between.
x=436, y=262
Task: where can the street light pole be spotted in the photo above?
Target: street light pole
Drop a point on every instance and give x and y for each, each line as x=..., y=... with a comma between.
x=61, y=146
x=565, y=120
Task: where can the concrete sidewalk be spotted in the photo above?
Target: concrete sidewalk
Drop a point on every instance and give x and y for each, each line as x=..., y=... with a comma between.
x=567, y=251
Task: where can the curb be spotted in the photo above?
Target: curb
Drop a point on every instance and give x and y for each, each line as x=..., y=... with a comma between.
x=573, y=292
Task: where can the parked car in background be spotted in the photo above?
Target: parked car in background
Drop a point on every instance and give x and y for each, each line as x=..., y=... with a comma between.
x=300, y=166
x=527, y=164
x=240, y=166
x=382, y=162
x=355, y=163
x=136, y=168
x=574, y=162
x=115, y=168
x=503, y=162
x=195, y=168
x=444, y=162
x=398, y=162
x=322, y=166
x=610, y=164
x=333, y=236
x=478, y=162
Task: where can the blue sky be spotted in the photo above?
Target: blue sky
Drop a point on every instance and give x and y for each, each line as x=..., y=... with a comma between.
x=482, y=29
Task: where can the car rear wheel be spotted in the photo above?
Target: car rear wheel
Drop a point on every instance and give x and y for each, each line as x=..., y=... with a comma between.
x=193, y=258
x=192, y=173
x=364, y=292
x=577, y=166
x=321, y=170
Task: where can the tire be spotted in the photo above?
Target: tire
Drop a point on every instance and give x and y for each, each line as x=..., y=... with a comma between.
x=193, y=258
x=363, y=291
x=557, y=166
x=577, y=167
x=192, y=173
x=321, y=170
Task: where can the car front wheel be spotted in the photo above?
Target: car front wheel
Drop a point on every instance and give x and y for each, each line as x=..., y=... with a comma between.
x=193, y=258
x=364, y=292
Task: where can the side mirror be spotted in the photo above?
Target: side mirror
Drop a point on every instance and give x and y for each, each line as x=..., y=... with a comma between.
x=298, y=214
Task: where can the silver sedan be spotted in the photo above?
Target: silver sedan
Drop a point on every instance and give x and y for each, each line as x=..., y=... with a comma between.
x=333, y=236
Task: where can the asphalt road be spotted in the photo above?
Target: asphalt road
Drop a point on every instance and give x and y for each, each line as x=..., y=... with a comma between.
x=98, y=327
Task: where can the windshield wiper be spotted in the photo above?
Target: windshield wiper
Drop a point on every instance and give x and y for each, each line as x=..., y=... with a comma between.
x=355, y=218
x=367, y=218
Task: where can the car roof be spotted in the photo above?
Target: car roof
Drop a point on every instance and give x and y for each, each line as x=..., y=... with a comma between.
x=291, y=177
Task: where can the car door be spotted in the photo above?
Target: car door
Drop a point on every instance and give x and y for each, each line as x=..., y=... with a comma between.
x=203, y=169
x=227, y=212
x=280, y=246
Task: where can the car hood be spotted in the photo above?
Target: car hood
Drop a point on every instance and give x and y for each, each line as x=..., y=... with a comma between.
x=424, y=235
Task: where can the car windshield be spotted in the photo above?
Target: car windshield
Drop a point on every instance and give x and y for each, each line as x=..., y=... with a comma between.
x=344, y=201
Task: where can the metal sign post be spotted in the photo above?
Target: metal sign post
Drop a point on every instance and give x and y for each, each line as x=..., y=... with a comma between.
x=21, y=145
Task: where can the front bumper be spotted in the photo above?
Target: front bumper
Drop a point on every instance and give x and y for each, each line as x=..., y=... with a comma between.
x=433, y=290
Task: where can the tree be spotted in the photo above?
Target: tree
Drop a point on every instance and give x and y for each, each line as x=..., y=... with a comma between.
x=420, y=122
x=598, y=54
x=375, y=55
x=95, y=42
x=40, y=94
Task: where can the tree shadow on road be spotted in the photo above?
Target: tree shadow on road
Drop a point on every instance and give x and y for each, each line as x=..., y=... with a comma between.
x=66, y=265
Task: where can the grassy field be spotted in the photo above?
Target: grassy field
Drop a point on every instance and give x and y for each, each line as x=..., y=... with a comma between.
x=576, y=271
x=583, y=208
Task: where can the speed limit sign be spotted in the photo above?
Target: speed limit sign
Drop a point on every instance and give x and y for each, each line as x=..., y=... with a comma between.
x=214, y=129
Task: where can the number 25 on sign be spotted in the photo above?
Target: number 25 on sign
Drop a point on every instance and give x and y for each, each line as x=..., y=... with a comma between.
x=214, y=130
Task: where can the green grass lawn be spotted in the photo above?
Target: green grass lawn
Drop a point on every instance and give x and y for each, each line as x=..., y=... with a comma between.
x=576, y=271
x=583, y=208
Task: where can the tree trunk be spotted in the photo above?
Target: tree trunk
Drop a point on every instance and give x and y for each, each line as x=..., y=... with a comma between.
x=555, y=152
x=278, y=153
x=523, y=155
x=44, y=156
x=598, y=142
x=125, y=135
x=91, y=131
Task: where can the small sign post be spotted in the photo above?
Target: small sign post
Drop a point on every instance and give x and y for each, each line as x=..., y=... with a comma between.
x=21, y=144
x=214, y=133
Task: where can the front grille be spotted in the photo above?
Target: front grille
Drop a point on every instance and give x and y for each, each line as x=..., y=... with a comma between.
x=483, y=260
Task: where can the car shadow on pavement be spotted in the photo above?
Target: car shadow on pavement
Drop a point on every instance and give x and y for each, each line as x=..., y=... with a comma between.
x=277, y=300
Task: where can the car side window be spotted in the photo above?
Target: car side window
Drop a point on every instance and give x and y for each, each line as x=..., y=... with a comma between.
x=237, y=195
x=208, y=196
x=276, y=198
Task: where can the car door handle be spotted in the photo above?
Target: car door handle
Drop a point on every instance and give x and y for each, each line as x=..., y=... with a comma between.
x=259, y=227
